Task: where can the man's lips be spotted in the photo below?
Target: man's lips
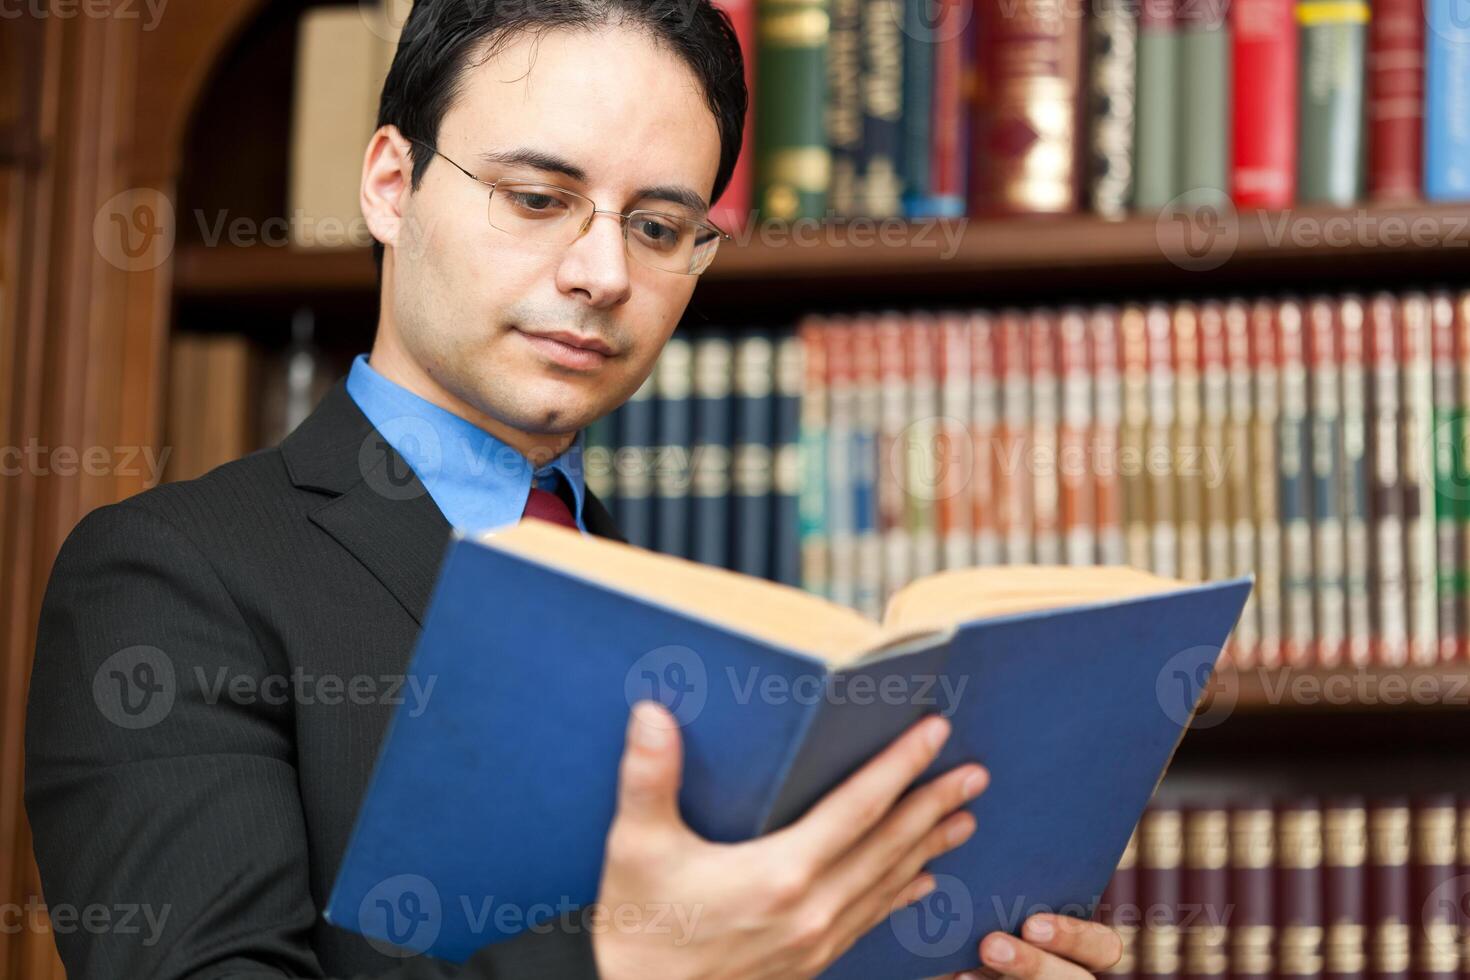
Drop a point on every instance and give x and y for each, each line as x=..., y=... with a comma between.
x=570, y=349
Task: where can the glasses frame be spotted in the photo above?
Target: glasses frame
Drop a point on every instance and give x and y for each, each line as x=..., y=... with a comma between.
x=622, y=216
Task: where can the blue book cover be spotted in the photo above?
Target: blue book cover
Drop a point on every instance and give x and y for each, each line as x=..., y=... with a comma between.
x=489, y=806
x=786, y=519
x=1446, y=101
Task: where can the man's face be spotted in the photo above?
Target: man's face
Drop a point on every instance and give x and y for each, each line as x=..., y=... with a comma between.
x=607, y=113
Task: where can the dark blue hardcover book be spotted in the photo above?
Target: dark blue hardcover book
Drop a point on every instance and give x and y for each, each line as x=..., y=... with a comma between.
x=713, y=433
x=489, y=806
x=919, y=39
x=754, y=377
x=880, y=153
x=633, y=463
x=1446, y=120
x=675, y=439
x=786, y=517
x=599, y=444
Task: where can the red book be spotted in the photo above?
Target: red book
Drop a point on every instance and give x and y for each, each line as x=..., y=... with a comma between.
x=947, y=138
x=1107, y=417
x=733, y=210
x=1395, y=79
x=952, y=508
x=1046, y=506
x=984, y=419
x=1264, y=101
x=1074, y=476
x=893, y=382
x=1012, y=482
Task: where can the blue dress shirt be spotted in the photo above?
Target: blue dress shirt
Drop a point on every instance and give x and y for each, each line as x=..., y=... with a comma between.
x=478, y=481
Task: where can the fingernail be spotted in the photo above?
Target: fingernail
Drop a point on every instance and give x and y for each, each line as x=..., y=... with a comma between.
x=1001, y=951
x=959, y=831
x=648, y=727
x=974, y=783
x=924, y=890
x=936, y=730
x=1040, y=929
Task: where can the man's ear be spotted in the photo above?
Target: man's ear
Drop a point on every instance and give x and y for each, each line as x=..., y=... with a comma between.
x=387, y=173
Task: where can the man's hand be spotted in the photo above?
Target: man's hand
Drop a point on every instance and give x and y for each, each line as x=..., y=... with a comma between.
x=1055, y=947
x=783, y=905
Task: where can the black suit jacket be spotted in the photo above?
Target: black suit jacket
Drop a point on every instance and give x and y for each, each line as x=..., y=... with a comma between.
x=216, y=664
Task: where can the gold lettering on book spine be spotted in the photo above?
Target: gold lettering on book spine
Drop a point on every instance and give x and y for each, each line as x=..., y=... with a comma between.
x=1346, y=948
x=1299, y=842
x=1388, y=836
x=1300, y=951
x=1345, y=838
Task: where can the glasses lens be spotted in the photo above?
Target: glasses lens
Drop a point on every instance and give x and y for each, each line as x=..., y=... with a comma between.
x=538, y=212
x=671, y=243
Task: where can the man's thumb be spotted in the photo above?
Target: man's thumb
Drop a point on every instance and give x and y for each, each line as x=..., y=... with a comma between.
x=648, y=781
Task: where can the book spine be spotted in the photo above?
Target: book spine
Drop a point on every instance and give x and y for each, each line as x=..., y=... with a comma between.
x=732, y=211
x=947, y=155
x=917, y=119
x=1252, y=860
x=1013, y=477
x=1355, y=485
x=952, y=449
x=599, y=443
x=811, y=501
x=984, y=429
x=1390, y=600
x=1029, y=66
x=1333, y=37
x=881, y=86
x=1238, y=475
x=637, y=429
x=1156, y=168
x=1160, y=867
x=898, y=567
x=1133, y=332
x=1416, y=405
x=1461, y=439
x=1186, y=443
x=1046, y=512
x=1299, y=887
x=1107, y=414
x=1462, y=848
x=1214, y=451
x=841, y=467
x=1119, y=908
x=1344, y=862
x=1206, y=893
x=1266, y=488
x=867, y=542
x=1112, y=75
x=751, y=464
x=1074, y=475
x=1435, y=890
x=1395, y=99
x=1446, y=115
x=844, y=106
x=1159, y=446
x=922, y=358
x=785, y=508
x=671, y=470
x=1296, y=489
x=1204, y=100
x=713, y=377
x=1449, y=561
x=793, y=165
x=1389, y=913
x=1328, y=541
x=1264, y=101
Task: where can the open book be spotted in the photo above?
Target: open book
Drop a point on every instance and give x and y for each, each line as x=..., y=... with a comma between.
x=491, y=804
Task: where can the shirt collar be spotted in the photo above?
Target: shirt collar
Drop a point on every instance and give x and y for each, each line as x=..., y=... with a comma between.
x=477, y=481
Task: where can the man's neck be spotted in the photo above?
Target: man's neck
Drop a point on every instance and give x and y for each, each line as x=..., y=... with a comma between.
x=393, y=363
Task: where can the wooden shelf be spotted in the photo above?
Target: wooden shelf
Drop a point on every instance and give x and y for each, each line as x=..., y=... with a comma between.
x=975, y=257
x=1314, y=691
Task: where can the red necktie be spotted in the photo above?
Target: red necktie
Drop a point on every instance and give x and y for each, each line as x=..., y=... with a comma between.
x=549, y=507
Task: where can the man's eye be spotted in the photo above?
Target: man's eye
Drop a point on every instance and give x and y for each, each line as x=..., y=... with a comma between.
x=661, y=234
x=535, y=202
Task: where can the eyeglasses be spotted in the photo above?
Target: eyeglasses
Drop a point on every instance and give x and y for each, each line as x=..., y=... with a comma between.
x=554, y=216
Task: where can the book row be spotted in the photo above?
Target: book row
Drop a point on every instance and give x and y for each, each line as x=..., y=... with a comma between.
x=1345, y=887
x=1316, y=442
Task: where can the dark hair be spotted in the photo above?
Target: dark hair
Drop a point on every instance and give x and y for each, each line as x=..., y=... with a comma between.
x=439, y=37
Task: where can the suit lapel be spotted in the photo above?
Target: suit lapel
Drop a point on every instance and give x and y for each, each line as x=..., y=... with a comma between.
x=378, y=510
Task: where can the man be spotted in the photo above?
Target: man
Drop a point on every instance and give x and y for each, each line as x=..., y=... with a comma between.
x=200, y=735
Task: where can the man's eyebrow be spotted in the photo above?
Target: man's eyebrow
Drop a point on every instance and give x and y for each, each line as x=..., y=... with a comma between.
x=550, y=163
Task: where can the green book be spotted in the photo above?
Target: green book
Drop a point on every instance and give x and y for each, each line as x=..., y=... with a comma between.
x=1204, y=102
x=1334, y=35
x=1157, y=143
x=793, y=162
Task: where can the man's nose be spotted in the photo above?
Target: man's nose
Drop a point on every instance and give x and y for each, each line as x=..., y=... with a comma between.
x=596, y=263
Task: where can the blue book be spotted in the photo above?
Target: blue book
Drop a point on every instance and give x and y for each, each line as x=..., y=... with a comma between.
x=633, y=464
x=488, y=809
x=1447, y=101
x=710, y=463
x=671, y=467
x=786, y=520
x=751, y=465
